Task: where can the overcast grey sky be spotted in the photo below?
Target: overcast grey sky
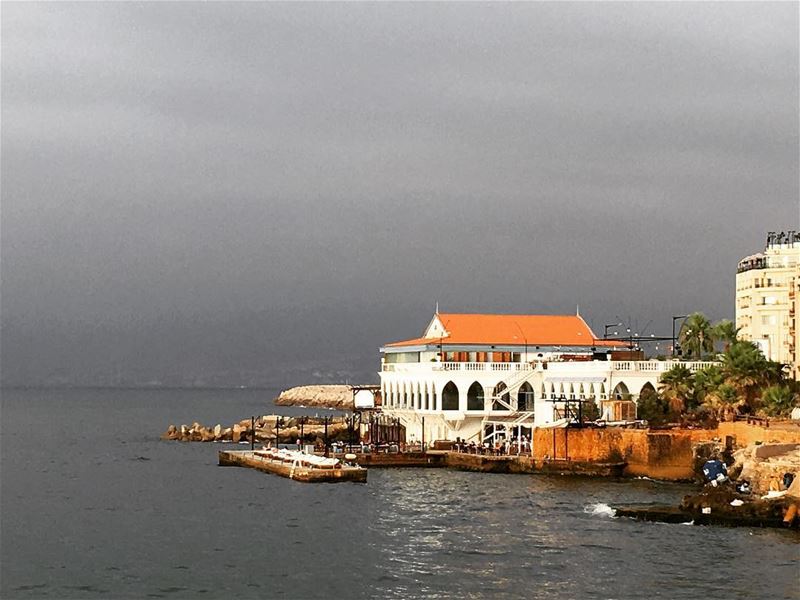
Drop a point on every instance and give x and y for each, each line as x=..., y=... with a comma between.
x=219, y=189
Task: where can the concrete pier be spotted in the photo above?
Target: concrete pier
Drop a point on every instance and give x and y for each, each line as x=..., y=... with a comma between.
x=247, y=458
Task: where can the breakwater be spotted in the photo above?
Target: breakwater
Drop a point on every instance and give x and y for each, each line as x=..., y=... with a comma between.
x=265, y=428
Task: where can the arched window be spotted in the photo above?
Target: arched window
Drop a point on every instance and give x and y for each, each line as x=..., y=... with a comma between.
x=450, y=396
x=525, y=397
x=647, y=391
x=500, y=390
x=475, y=397
x=621, y=392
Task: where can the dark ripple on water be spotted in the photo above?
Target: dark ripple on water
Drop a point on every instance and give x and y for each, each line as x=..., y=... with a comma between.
x=86, y=516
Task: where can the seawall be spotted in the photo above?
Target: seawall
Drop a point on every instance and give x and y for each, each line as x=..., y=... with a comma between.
x=659, y=454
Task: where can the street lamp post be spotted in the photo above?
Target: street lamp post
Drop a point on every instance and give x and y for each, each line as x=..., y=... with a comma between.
x=605, y=329
x=674, y=339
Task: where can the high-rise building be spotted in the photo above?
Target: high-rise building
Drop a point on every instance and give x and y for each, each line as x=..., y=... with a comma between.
x=767, y=288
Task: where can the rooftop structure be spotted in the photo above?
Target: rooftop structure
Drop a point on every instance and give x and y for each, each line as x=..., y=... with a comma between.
x=767, y=287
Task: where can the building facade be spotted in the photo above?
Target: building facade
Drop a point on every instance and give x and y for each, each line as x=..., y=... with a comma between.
x=480, y=377
x=767, y=287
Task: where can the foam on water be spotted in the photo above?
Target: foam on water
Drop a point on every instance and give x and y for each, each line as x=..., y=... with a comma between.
x=600, y=509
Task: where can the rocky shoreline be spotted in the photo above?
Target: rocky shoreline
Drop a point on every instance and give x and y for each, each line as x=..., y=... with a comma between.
x=313, y=430
x=756, y=494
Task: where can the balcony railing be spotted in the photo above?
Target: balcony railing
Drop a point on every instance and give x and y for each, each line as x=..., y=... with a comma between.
x=630, y=366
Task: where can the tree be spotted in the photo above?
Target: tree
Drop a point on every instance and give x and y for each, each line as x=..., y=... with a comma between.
x=748, y=370
x=589, y=410
x=707, y=381
x=696, y=335
x=779, y=400
x=677, y=387
x=652, y=407
x=726, y=332
x=722, y=401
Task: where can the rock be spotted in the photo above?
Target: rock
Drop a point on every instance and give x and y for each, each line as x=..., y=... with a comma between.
x=236, y=435
x=217, y=431
x=763, y=465
x=172, y=433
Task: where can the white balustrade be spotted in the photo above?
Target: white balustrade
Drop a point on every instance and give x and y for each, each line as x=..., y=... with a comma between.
x=554, y=367
x=500, y=366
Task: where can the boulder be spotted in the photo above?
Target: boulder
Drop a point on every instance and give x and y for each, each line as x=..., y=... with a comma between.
x=217, y=431
x=172, y=433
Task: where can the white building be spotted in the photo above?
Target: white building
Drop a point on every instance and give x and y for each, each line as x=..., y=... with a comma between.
x=767, y=289
x=474, y=376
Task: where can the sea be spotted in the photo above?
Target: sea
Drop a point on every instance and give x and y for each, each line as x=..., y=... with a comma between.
x=94, y=505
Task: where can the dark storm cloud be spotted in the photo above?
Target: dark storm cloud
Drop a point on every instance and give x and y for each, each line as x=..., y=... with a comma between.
x=192, y=188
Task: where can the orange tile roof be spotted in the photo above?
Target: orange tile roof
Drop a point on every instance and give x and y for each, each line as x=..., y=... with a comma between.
x=512, y=330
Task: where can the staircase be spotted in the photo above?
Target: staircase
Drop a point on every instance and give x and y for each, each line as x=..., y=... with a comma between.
x=512, y=385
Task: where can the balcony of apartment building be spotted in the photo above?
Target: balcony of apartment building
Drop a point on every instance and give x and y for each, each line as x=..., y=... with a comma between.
x=752, y=262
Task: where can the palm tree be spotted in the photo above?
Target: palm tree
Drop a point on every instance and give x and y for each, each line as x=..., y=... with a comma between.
x=726, y=332
x=748, y=370
x=707, y=381
x=779, y=400
x=677, y=385
x=696, y=335
x=722, y=401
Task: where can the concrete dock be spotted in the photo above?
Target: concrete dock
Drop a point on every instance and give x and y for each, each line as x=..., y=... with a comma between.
x=483, y=463
x=308, y=474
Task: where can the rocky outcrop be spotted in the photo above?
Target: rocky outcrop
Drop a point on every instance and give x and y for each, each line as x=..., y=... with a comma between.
x=265, y=429
x=764, y=465
x=318, y=396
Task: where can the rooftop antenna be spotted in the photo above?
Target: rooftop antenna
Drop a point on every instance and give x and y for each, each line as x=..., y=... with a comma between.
x=577, y=310
x=437, y=307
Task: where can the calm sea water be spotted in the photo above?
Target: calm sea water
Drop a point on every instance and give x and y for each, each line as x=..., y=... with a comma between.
x=94, y=505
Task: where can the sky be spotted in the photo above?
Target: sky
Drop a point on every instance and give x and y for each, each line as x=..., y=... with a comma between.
x=264, y=193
